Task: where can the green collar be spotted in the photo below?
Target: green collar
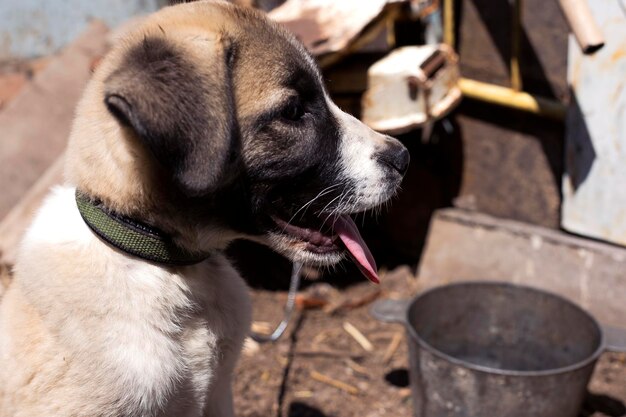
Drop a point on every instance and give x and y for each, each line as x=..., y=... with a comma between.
x=133, y=237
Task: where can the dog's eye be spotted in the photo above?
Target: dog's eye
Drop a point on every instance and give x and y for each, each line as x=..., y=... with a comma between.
x=292, y=111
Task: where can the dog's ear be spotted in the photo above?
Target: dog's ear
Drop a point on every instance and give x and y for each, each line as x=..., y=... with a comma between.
x=182, y=111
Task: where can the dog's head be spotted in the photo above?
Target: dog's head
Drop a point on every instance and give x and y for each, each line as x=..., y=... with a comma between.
x=225, y=125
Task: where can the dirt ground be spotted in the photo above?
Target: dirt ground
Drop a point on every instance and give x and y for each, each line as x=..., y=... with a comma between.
x=319, y=370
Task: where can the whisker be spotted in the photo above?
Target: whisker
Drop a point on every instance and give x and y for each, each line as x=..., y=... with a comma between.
x=336, y=210
x=331, y=201
x=320, y=194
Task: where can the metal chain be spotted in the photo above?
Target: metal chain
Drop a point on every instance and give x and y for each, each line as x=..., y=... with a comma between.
x=291, y=301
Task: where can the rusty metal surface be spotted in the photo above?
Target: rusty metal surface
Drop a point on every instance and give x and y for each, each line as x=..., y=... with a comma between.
x=484, y=43
x=594, y=191
x=326, y=26
x=410, y=87
x=513, y=162
x=329, y=26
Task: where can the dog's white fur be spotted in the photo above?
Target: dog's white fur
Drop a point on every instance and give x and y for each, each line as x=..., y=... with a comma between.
x=359, y=145
x=139, y=329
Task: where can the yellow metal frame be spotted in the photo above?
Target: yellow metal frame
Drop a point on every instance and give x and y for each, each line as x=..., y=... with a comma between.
x=512, y=97
x=507, y=97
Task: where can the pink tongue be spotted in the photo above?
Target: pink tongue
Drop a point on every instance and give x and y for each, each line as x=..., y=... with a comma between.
x=351, y=238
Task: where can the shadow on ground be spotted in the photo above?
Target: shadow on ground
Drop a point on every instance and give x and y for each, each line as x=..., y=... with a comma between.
x=299, y=409
x=602, y=405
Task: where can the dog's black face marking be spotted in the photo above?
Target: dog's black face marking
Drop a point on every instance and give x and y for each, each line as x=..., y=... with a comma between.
x=250, y=137
x=296, y=152
x=185, y=120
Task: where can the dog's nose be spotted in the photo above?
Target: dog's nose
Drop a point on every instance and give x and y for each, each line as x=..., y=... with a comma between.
x=396, y=156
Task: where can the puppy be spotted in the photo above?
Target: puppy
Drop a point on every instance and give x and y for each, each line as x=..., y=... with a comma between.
x=206, y=124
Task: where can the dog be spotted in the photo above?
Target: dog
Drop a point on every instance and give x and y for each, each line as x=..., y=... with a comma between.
x=205, y=124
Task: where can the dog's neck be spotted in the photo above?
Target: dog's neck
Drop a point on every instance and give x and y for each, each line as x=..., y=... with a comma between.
x=134, y=237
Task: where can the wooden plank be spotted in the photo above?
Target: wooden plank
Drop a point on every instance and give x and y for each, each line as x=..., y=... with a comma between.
x=464, y=246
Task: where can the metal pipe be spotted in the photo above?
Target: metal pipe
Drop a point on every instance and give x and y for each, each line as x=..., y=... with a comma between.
x=583, y=25
x=448, y=23
x=391, y=33
x=516, y=31
x=508, y=97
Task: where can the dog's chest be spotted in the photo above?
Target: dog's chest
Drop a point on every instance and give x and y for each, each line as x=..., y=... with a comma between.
x=179, y=339
x=211, y=335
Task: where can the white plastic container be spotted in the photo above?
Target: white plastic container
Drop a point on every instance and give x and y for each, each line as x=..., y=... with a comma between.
x=410, y=87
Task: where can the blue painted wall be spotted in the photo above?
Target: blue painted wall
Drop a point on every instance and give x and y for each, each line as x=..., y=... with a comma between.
x=30, y=28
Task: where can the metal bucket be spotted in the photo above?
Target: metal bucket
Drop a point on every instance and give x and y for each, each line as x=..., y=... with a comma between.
x=497, y=349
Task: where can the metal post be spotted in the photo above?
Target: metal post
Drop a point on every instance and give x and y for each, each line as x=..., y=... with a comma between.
x=516, y=31
x=448, y=23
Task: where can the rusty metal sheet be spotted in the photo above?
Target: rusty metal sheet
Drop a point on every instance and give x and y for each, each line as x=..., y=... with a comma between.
x=594, y=185
x=326, y=26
